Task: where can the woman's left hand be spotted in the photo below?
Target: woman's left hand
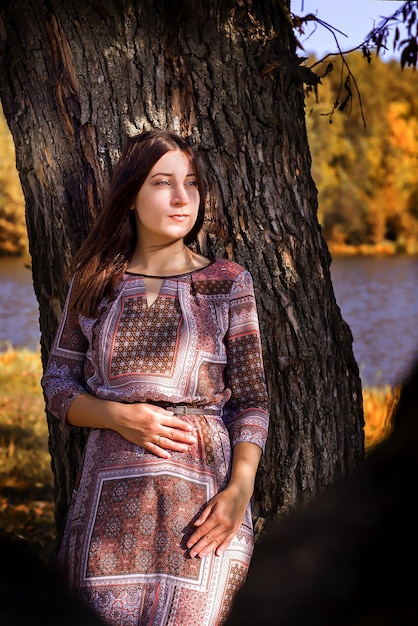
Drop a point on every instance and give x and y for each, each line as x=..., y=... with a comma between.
x=221, y=518
x=218, y=522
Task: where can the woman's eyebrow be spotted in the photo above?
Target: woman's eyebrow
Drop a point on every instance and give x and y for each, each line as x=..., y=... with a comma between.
x=192, y=174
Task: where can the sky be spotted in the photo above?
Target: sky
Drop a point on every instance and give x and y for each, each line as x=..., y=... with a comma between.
x=355, y=18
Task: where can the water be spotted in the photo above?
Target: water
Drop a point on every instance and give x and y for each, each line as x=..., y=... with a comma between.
x=19, y=312
x=378, y=298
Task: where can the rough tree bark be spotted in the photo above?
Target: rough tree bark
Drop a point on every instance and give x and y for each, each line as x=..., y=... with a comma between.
x=76, y=77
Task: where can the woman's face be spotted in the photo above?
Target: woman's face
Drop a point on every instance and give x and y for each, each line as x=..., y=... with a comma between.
x=167, y=204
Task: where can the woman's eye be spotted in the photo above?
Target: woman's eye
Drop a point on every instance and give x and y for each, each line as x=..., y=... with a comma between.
x=193, y=183
x=163, y=182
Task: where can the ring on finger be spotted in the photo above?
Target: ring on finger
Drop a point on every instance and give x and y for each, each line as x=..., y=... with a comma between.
x=158, y=440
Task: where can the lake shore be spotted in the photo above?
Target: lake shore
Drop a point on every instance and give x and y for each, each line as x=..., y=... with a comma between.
x=386, y=249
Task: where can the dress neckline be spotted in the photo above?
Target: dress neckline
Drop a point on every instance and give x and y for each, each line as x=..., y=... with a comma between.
x=199, y=269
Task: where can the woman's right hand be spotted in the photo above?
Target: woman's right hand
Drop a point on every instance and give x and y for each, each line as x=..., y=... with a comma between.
x=146, y=425
x=154, y=429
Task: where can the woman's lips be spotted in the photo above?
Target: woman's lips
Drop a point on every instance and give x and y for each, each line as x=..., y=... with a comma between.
x=179, y=217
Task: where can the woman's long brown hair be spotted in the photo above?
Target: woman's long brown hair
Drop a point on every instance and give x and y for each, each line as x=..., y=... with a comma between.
x=107, y=250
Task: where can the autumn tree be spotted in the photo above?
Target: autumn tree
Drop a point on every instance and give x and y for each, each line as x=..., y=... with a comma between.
x=364, y=167
x=13, y=239
x=76, y=78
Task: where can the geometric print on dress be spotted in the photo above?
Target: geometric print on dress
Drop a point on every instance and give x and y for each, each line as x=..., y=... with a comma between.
x=120, y=605
x=236, y=578
x=69, y=340
x=188, y=607
x=126, y=510
x=212, y=286
x=246, y=371
x=146, y=337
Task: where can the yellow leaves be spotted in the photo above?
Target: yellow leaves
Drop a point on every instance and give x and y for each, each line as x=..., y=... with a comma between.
x=366, y=178
x=378, y=406
x=404, y=141
x=13, y=234
x=403, y=127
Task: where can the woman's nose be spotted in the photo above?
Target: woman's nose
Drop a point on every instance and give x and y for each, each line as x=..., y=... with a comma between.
x=180, y=195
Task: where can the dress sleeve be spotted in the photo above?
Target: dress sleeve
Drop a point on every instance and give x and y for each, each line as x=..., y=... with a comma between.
x=64, y=378
x=246, y=414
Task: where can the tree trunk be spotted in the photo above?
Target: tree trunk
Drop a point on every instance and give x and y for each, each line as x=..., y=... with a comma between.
x=76, y=77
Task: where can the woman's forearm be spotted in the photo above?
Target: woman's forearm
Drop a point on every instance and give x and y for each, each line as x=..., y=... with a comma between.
x=88, y=411
x=245, y=460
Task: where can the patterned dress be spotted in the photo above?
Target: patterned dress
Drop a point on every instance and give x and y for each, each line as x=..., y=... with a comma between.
x=131, y=512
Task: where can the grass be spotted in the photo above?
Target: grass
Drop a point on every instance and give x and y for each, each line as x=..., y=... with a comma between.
x=26, y=482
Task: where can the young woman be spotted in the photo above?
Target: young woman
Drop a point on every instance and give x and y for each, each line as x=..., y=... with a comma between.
x=158, y=352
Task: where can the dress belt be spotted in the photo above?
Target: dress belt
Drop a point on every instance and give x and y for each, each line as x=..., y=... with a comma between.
x=182, y=409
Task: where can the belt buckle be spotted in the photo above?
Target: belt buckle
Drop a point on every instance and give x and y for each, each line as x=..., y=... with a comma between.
x=180, y=409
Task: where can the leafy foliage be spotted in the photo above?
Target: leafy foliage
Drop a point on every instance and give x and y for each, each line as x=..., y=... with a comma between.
x=13, y=236
x=379, y=38
x=364, y=161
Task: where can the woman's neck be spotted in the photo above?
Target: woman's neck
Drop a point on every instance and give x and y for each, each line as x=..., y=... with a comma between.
x=165, y=261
